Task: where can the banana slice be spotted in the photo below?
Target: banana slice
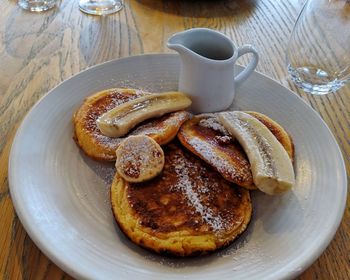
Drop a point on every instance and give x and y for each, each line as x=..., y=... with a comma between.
x=121, y=119
x=139, y=158
x=271, y=166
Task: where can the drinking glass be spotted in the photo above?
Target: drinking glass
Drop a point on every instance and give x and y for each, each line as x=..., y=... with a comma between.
x=318, y=54
x=100, y=7
x=37, y=5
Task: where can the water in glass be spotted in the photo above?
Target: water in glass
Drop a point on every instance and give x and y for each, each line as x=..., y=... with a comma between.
x=318, y=55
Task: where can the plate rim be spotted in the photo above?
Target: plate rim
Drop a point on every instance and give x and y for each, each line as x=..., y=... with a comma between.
x=304, y=263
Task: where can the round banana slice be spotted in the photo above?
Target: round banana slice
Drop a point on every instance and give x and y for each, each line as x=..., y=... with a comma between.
x=139, y=158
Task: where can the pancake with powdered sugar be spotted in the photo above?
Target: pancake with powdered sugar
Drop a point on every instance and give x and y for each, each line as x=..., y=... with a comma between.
x=100, y=147
x=189, y=209
x=204, y=136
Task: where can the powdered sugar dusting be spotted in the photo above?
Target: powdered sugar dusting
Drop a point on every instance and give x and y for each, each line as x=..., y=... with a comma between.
x=187, y=186
x=221, y=164
x=105, y=171
x=169, y=121
x=147, y=128
x=223, y=139
x=106, y=141
x=212, y=122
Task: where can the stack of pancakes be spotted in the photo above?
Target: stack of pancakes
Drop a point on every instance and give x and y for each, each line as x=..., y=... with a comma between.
x=200, y=202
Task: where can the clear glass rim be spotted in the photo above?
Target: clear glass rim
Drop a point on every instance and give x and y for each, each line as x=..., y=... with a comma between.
x=92, y=7
x=34, y=7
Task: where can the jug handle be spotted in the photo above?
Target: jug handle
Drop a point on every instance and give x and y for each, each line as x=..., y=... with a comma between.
x=241, y=77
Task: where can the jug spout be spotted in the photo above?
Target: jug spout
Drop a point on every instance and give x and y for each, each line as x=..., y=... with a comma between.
x=203, y=44
x=177, y=43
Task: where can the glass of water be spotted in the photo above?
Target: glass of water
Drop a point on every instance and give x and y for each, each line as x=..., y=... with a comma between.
x=100, y=7
x=318, y=54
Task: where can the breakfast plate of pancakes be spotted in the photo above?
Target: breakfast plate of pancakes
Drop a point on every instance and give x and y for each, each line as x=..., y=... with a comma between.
x=63, y=195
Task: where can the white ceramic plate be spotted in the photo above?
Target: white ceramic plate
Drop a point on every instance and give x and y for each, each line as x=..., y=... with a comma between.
x=62, y=197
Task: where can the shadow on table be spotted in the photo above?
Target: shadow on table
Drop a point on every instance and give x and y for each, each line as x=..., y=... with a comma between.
x=202, y=8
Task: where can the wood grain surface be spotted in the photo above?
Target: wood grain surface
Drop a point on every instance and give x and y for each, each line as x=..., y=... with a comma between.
x=38, y=51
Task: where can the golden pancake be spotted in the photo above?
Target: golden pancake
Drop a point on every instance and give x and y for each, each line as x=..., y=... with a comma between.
x=207, y=138
x=100, y=147
x=204, y=136
x=189, y=209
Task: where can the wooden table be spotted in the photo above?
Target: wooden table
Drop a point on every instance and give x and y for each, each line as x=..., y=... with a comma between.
x=38, y=51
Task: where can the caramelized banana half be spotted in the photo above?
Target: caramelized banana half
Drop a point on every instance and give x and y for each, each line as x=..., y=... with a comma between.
x=271, y=166
x=121, y=119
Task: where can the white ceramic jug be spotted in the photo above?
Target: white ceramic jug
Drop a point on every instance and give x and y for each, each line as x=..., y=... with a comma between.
x=207, y=67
